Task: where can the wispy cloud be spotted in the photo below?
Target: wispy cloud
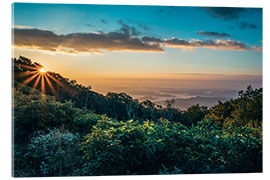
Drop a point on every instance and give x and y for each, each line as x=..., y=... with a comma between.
x=166, y=9
x=210, y=44
x=90, y=25
x=246, y=25
x=104, y=21
x=214, y=34
x=139, y=24
x=126, y=29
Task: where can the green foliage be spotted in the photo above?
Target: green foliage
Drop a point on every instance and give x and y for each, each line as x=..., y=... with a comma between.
x=243, y=152
x=84, y=122
x=131, y=147
x=54, y=153
x=38, y=113
x=245, y=111
x=116, y=147
x=194, y=114
x=247, y=108
x=121, y=106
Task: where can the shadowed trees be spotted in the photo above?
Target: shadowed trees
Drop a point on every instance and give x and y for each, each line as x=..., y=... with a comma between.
x=194, y=114
x=245, y=110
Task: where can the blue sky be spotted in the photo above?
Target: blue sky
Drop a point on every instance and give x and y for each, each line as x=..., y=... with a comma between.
x=103, y=39
x=162, y=21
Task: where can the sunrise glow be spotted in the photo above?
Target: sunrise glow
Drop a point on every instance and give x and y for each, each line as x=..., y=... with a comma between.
x=42, y=70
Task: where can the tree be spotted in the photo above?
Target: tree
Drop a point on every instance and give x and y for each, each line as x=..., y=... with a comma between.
x=170, y=103
x=245, y=110
x=121, y=106
x=55, y=153
x=149, y=110
x=87, y=95
x=194, y=114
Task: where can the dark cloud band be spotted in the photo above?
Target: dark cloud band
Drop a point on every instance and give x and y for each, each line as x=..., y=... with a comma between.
x=81, y=42
x=227, y=13
x=246, y=25
x=215, y=34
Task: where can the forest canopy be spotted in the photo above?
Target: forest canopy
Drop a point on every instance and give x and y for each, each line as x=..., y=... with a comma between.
x=63, y=128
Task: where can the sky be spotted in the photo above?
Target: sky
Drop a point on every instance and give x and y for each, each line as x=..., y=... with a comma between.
x=120, y=47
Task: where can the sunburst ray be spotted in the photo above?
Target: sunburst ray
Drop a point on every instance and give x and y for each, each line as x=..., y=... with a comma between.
x=42, y=84
x=25, y=82
x=35, y=84
x=50, y=86
x=59, y=83
x=23, y=74
x=29, y=67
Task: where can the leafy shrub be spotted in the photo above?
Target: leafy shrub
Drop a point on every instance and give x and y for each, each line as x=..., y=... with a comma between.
x=54, y=153
x=114, y=148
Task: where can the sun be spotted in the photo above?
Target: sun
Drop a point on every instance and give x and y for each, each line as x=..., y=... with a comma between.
x=42, y=70
x=42, y=78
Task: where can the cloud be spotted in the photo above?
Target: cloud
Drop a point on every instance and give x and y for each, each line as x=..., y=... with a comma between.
x=151, y=39
x=22, y=27
x=37, y=39
x=215, y=34
x=226, y=13
x=104, y=21
x=210, y=44
x=128, y=29
x=159, y=11
x=143, y=26
x=81, y=42
x=139, y=24
x=166, y=9
x=89, y=25
x=246, y=25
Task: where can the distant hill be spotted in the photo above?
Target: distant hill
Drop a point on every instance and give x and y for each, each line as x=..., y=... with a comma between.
x=184, y=103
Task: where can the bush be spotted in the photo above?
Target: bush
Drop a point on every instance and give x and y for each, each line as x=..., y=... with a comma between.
x=130, y=147
x=54, y=153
